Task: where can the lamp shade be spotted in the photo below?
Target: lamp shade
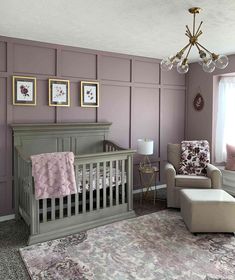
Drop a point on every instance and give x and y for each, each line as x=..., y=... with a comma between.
x=145, y=147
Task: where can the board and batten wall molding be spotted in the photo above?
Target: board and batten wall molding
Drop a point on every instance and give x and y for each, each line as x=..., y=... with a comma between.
x=135, y=95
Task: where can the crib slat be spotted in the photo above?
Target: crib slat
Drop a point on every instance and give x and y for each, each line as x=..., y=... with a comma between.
x=26, y=199
x=91, y=187
x=53, y=209
x=76, y=203
x=69, y=205
x=44, y=210
x=117, y=186
x=123, y=181
x=98, y=186
x=84, y=188
x=23, y=194
x=111, y=182
x=61, y=207
x=76, y=195
x=104, y=184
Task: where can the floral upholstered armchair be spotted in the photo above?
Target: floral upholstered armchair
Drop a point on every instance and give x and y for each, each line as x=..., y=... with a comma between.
x=188, y=167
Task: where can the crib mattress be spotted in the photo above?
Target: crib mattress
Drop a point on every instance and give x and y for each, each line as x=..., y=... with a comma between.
x=116, y=175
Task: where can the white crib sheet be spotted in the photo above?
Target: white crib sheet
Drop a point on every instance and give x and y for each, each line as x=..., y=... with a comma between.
x=101, y=181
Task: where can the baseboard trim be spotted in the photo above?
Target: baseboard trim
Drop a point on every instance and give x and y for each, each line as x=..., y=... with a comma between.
x=158, y=187
x=7, y=218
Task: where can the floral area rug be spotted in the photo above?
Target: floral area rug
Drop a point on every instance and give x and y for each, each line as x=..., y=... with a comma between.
x=155, y=247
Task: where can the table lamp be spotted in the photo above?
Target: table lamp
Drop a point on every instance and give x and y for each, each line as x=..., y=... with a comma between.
x=145, y=147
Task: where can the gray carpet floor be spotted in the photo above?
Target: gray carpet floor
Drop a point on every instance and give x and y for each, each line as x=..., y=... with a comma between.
x=14, y=235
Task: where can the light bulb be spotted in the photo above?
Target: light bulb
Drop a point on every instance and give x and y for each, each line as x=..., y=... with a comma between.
x=203, y=58
x=175, y=59
x=221, y=62
x=182, y=66
x=166, y=64
x=208, y=66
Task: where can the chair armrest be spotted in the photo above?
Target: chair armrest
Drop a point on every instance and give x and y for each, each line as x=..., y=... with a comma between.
x=215, y=175
x=170, y=173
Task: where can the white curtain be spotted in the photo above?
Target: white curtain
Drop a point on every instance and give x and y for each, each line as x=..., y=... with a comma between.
x=225, y=124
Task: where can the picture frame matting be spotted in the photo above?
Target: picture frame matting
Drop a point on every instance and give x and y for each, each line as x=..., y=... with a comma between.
x=89, y=94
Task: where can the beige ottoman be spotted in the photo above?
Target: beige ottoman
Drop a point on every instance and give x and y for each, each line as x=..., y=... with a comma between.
x=210, y=210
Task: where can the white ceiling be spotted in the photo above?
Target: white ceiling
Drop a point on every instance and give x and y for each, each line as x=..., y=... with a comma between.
x=151, y=28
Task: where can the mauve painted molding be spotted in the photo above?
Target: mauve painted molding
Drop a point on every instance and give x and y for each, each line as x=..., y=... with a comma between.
x=127, y=82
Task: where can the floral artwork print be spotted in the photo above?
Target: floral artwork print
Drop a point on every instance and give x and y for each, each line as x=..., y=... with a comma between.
x=195, y=156
x=24, y=91
x=59, y=93
x=157, y=246
x=89, y=94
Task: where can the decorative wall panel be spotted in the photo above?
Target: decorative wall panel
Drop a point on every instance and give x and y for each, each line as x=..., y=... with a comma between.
x=3, y=110
x=172, y=118
x=115, y=68
x=146, y=72
x=172, y=78
x=3, y=54
x=34, y=60
x=78, y=64
x=115, y=108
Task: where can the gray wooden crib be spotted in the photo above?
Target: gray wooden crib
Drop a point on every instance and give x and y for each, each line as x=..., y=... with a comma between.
x=103, y=174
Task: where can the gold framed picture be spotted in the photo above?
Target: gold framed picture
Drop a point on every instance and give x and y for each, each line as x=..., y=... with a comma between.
x=89, y=94
x=24, y=90
x=59, y=92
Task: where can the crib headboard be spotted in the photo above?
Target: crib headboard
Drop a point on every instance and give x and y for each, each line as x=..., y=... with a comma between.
x=80, y=138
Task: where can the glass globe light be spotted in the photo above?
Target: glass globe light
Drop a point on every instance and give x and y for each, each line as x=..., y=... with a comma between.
x=203, y=58
x=182, y=66
x=166, y=64
x=208, y=66
x=221, y=62
x=175, y=59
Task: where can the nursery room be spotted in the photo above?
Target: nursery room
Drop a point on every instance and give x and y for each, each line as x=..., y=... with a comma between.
x=117, y=143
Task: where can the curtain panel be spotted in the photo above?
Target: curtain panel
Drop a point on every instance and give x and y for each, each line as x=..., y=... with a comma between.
x=225, y=123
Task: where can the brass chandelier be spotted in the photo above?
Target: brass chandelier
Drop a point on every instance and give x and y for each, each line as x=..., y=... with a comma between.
x=208, y=60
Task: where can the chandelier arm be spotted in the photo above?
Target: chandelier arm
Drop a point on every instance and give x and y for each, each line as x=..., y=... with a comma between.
x=189, y=30
x=199, y=34
x=196, y=44
x=184, y=48
x=204, y=48
x=188, y=51
x=198, y=29
x=187, y=35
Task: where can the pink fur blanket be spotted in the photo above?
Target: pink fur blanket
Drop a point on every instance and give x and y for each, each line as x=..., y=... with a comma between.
x=53, y=174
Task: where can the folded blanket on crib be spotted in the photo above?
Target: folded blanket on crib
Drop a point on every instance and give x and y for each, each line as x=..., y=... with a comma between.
x=53, y=175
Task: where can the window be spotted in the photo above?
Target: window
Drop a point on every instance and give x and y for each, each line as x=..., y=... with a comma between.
x=225, y=123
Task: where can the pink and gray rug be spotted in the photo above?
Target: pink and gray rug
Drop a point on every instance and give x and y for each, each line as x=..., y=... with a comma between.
x=155, y=247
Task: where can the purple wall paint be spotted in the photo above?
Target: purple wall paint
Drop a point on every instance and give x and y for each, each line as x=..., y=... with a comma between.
x=199, y=125
x=139, y=99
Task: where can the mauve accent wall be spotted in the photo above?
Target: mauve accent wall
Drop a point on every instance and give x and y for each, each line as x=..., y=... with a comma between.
x=199, y=124
x=139, y=99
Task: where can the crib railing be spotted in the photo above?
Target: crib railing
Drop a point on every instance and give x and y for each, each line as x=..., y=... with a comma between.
x=109, y=146
x=104, y=184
